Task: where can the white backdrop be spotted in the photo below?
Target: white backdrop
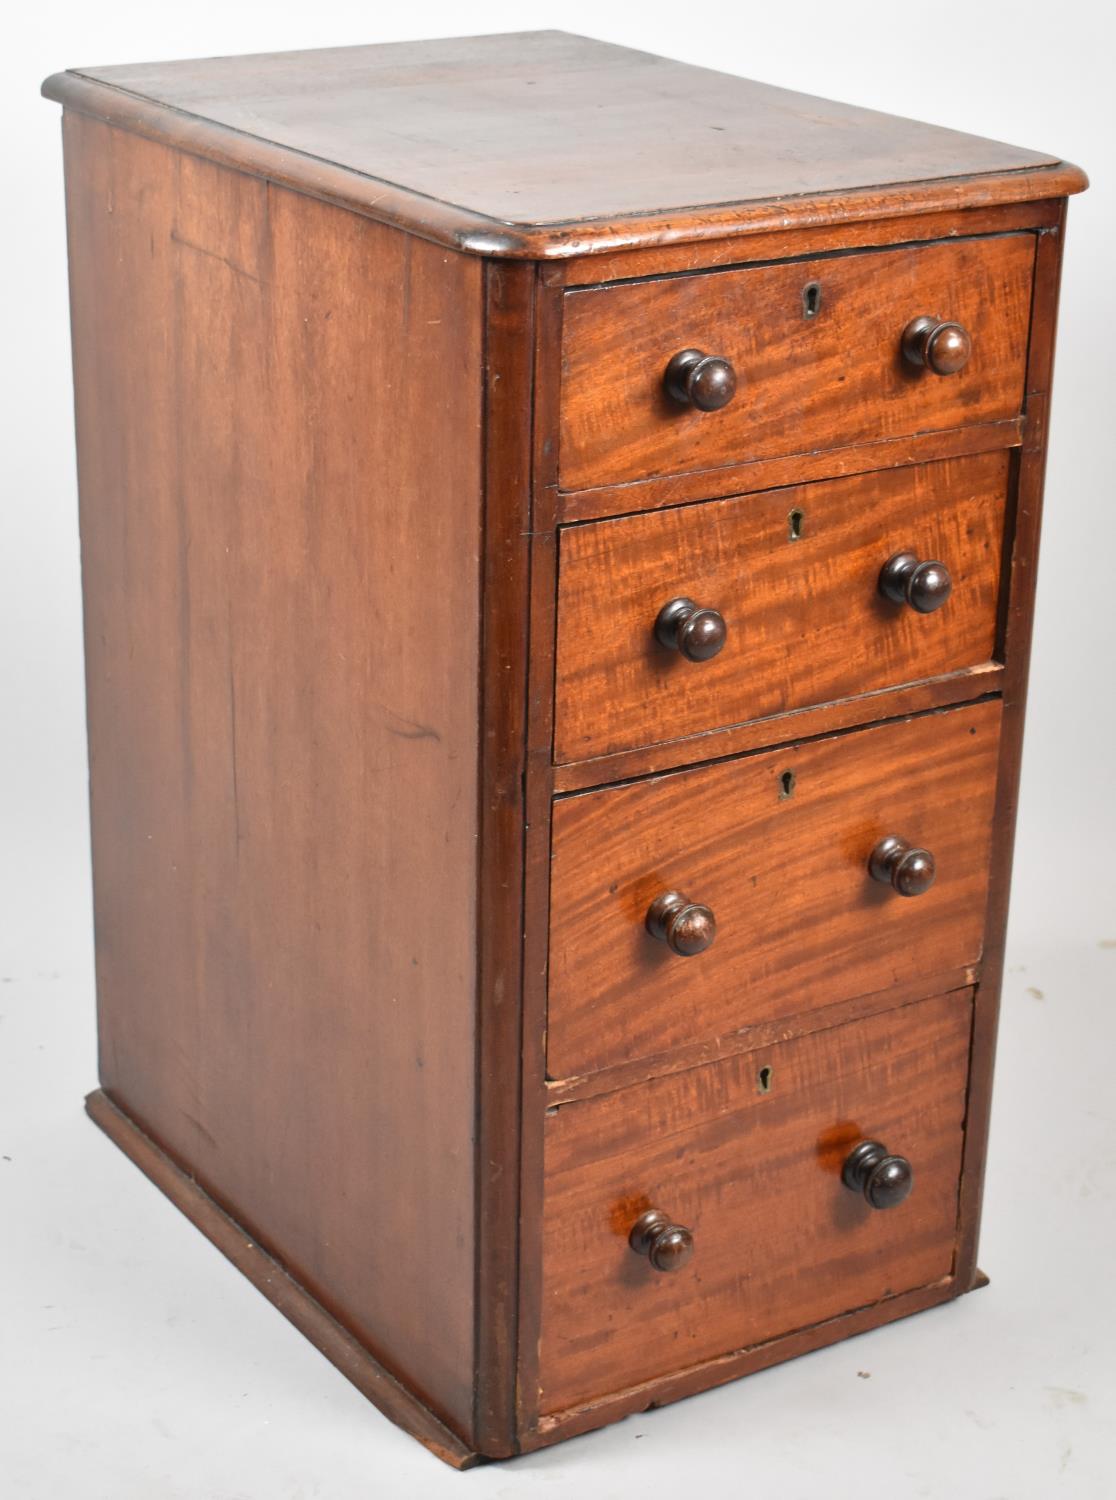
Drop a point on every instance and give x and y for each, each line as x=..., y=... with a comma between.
x=133, y=1361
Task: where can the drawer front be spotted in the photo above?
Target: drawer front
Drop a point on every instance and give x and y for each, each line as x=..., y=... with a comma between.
x=777, y=845
x=803, y=383
x=747, y=1154
x=795, y=576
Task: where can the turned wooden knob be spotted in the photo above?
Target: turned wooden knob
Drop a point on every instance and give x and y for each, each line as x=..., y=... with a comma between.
x=702, y=380
x=884, y=1180
x=685, y=926
x=698, y=633
x=925, y=586
x=905, y=869
x=942, y=347
x=667, y=1246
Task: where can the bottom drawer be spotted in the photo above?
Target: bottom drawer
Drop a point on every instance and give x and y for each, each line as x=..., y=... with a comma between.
x=748, y=1154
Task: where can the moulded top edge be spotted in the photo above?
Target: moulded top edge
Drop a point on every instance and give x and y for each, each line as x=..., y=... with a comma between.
x=542, y=145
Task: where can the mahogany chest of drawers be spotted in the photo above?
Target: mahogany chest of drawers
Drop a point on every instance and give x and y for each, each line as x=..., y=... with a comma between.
x=559, y=535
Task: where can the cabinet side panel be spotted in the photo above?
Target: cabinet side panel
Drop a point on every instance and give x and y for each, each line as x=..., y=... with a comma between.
x=278, y=411
x=1017, y=593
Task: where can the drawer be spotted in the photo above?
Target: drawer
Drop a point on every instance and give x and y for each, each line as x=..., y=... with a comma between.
x=748, y=1155
x=777, y=847
x=795, y=575
x=805, y=380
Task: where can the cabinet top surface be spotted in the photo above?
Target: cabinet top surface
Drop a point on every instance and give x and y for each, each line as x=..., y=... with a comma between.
x=543, y=143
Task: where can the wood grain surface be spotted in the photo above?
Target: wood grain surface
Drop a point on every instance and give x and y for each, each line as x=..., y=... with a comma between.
x=510, y=125
x=753, y=475
x=835, y=379
x=780, y=1242
x=782, y=729
x=1018, y=618
x=539, y=143
x=800, y=922
x=648, y=1395
x=509, y=396
x=286, y=965
x=760, y=1034
x=788, y=241
x=806, y=623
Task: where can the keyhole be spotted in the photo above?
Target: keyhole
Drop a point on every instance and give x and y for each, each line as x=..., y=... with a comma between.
x=811, y=299
x=763, y=1081
x=795, y=522
x=786, y=781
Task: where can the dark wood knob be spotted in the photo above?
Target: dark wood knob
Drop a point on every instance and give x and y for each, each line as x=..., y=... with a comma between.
x=702, y=380
x=698, y=633
x=685, y=926
x=925, y=586
x=666, y=1245
x=885, y=1180
x=944, y=348
x=905, y=869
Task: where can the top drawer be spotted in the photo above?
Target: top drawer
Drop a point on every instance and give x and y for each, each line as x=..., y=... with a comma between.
x=817, y=351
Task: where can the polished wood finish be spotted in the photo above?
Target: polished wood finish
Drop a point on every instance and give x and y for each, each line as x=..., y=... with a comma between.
x=508, y=395
x=787, y=876
x=506, y=165
x=754, y=475
x=760, y=1033
x=779, y=1242
x=923, y=221
x=780, y=729
x=245, y=721
x=426, y=742
x=647, y=1395
x=795, y=576
x=841, y=373
x=1017, y=621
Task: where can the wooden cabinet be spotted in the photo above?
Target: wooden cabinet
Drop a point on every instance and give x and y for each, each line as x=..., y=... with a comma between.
x=558, y=595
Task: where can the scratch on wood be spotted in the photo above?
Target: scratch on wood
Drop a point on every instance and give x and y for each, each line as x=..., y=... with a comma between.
x=213, y=255
x=407, y=729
